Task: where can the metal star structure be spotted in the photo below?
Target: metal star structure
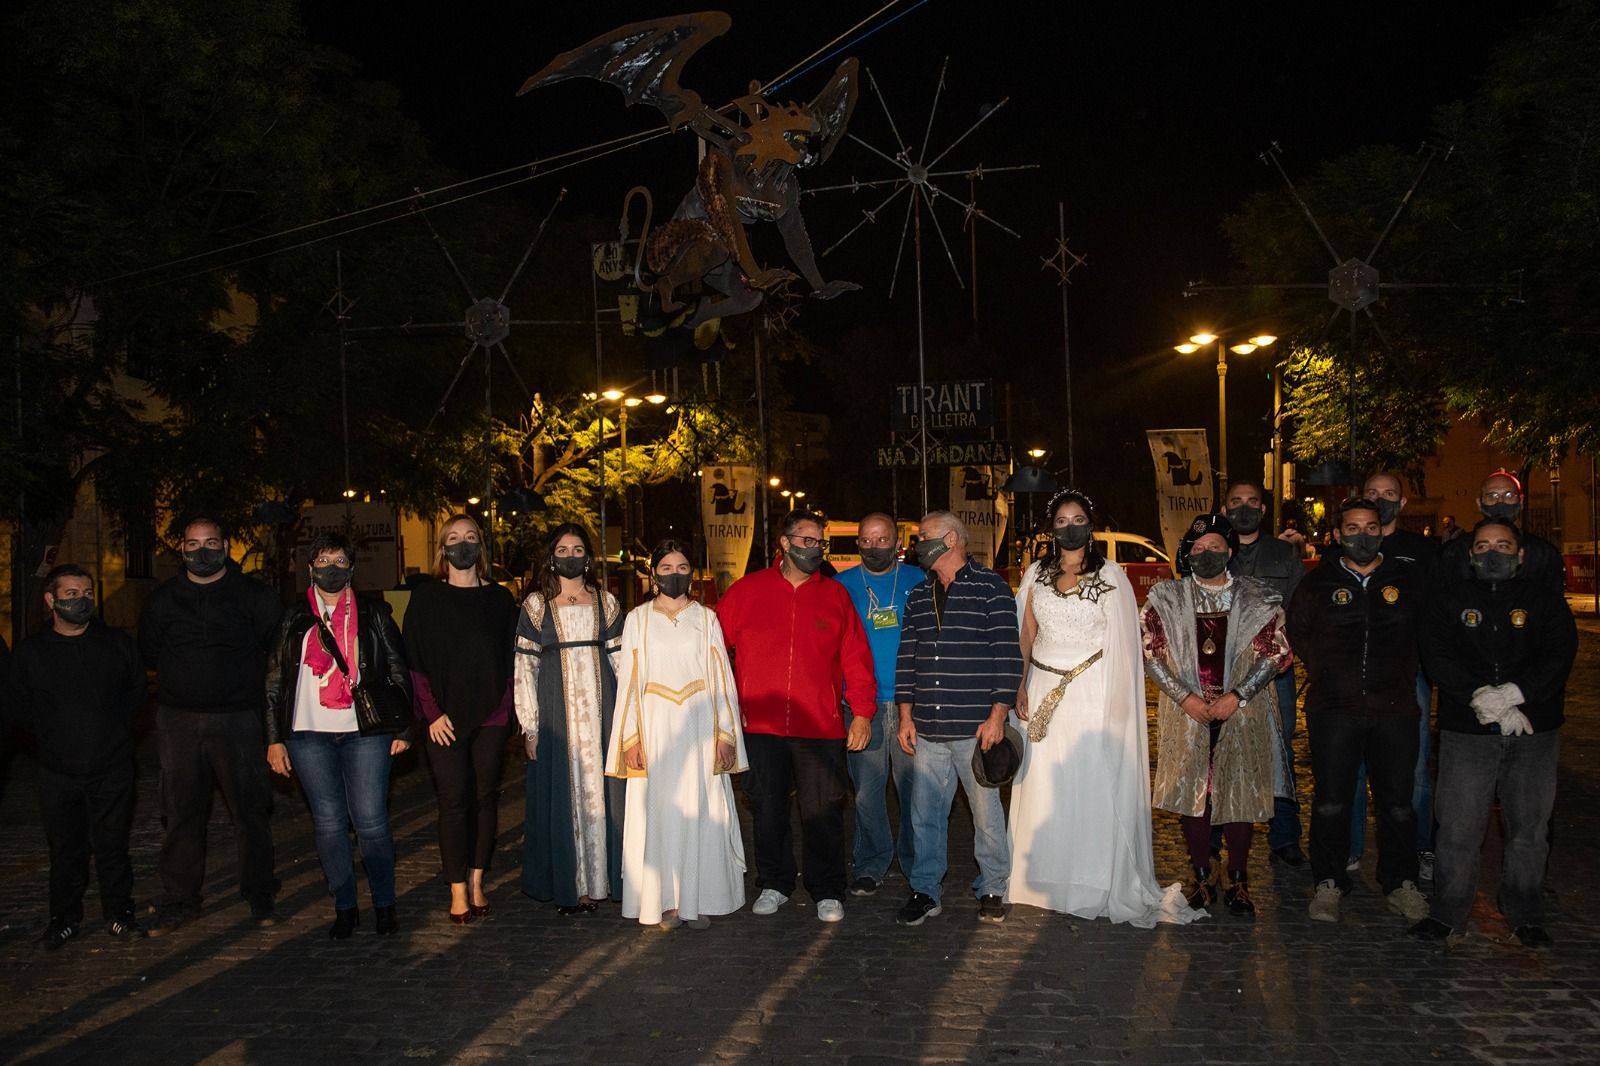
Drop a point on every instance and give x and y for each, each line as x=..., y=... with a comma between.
x=917, y=176
x=1063, y=262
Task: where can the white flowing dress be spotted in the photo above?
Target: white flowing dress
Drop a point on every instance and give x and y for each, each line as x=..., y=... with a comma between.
x=1080, y=805
x=681, y=846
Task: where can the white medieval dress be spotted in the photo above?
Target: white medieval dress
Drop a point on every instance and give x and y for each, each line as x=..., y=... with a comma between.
x=1080, y=804
x=681, y=846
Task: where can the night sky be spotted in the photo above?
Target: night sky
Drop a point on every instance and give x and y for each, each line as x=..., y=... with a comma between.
x=1146, y=119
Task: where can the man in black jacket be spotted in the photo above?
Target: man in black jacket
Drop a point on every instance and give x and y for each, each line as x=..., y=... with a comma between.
x=76, y=686
x=1500, y=497
x=1353, y=623
x=206, y=633
x=1499, y=646
x=1277, y=562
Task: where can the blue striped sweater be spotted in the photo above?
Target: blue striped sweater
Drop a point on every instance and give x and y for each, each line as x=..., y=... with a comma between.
x=959, y=653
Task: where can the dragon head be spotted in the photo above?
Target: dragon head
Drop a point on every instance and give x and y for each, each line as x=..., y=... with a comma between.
x=787, y=133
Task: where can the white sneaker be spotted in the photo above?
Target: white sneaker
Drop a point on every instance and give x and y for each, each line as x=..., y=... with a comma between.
x=1325, y=902
x=768, y=902
x=830, y=910
x=1407, y=901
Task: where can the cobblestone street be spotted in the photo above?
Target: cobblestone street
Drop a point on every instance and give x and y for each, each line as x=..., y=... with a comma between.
x=529, y=985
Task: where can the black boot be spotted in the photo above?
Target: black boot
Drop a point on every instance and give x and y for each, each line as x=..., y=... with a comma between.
x=344, y=923
x=1237, y=896
x=386, y=922
x=1203, y=889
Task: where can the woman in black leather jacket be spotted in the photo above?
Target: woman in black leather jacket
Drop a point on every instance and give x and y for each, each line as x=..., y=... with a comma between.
x=311, y=727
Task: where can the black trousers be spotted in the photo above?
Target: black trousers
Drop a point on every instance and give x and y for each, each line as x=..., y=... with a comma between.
x=84, y=815
x=466, y=777
x=1339, y=745
x=816, y=772
x=199, y=749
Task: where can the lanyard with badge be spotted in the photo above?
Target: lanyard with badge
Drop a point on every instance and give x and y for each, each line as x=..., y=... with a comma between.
x=882, y=617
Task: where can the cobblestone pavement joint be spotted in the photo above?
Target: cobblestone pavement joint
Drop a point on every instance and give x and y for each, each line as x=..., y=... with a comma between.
x=527, y=985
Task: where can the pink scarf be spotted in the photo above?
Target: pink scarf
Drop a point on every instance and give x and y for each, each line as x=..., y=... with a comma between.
x=335, y=686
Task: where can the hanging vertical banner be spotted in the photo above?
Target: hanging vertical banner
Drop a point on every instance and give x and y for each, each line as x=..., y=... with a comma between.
x=1183, y=481
x=976, y=499
x=728, y=508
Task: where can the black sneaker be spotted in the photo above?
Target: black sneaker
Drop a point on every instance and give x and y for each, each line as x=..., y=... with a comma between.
x=864, y=886
x=344, y=924
x=264, y=911
x=991, y=909
x=918, y=907
x=59, y=933
x=1532, y=936
x=1430, y=929
x=126, y=928
x=170, y=919
x=1290, y=855
x=386, y=922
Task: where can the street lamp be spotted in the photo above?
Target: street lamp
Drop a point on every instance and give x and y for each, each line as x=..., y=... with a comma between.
x=624, y=403
x=1201, y=340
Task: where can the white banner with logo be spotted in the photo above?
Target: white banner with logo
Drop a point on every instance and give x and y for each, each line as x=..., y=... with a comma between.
x=976, y=499
x=371, y=531
x=1183, y=481
x=728, y=508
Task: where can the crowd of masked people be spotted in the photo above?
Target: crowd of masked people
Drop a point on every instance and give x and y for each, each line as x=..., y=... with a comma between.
x=915, y=674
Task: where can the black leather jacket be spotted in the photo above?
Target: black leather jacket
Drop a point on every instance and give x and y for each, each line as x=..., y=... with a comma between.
x=377, y=638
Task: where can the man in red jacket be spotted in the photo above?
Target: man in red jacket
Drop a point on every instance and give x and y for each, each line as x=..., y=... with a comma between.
x=798, y=650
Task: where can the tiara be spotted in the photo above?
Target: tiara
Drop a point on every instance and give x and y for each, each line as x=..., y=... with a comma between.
x=1068, y=494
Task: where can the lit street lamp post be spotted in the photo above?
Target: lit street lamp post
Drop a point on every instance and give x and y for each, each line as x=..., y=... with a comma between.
x=624, y=403
x=1199, y=341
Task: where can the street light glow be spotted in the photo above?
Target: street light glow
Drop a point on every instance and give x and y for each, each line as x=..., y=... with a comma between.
x=1261, y=340
x=632, y=401
x=1242, y=349
x=1035, y=453
x=1203, y=339
x=612, y=394
x=656, y=397
x=1186, y=349
x=774, y=481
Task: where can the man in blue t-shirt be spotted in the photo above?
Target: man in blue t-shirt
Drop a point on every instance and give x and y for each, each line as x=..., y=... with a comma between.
x=879, y=588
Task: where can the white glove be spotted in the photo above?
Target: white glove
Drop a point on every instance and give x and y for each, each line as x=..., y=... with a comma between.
x=1515, y=724
x=1488, y=704
x=1511, y=695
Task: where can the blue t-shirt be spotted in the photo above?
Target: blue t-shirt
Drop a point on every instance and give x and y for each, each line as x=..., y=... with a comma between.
x=882, y=593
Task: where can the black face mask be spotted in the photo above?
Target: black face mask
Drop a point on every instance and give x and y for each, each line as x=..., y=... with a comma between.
x=1494, y=566
x=1208, y=564
x=74, y=612
x=674, y=585
x=331, y=578
x=1388, y=510
x=1361, y=548
x=1072, y=538
x=931, y=551
x=806, y=560
x=877, y=560
x=570, y=565
x=1503, y=512
x=1246, y=519
x=463, y=554
x=203, y=562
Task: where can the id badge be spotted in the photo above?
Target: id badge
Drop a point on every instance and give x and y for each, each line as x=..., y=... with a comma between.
x=884, y=618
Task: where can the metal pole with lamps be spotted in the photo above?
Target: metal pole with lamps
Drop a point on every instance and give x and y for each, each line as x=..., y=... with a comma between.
x=1194, y=344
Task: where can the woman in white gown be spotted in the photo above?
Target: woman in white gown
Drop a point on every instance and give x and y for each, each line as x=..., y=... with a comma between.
x=1080, y=805
x=676, y=739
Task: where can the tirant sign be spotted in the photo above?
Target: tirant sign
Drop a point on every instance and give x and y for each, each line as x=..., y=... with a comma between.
x=946, y=406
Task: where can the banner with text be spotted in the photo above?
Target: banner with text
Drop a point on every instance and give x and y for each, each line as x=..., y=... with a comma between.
x=371, y=530
x=728, y=507
x=976, y=499
x=948, y=453
x=1183, y=481
x=946, y=406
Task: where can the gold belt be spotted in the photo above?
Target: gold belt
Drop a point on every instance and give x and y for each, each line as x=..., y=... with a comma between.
x=1039, y=720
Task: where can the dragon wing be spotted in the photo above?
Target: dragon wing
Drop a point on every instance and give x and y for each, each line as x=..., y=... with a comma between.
x=643, y=59
x=834, y=105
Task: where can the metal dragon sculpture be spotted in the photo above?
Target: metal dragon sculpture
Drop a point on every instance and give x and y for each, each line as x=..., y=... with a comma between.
x=748, y=175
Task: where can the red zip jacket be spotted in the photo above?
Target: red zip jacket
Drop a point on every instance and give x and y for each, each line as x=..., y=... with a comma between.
x=795, y=650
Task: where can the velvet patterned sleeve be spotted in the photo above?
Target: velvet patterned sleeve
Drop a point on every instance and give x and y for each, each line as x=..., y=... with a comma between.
x=1271, y=648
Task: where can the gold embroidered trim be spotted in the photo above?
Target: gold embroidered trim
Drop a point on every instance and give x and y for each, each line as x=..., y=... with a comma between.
x=678, y=696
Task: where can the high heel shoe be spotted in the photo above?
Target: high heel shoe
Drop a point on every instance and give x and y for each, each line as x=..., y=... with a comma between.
x=477, y=911
x=463, y=918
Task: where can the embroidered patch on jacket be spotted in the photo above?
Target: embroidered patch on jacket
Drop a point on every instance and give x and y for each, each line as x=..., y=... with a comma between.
x=1470, y=618
x=1342, y=597
x=1519, y=618
x=1391, y=594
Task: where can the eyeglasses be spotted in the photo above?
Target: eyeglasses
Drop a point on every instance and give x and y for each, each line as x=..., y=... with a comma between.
x=1508, y=496
x=805, y=542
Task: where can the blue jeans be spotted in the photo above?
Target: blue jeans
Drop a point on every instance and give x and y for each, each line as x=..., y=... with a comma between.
x=875, y=845
x=935, y=769
x=1473, y=770
x=1421, y=784
x=346, y=779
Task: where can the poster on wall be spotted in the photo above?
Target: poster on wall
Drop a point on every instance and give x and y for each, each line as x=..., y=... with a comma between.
x=976, y=499
x=1183, y=481
x=728, y=509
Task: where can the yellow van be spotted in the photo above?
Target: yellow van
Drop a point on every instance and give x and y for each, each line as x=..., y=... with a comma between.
x=840, y=541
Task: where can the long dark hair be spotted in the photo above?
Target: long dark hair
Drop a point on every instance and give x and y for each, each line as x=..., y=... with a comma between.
x=549, y=581
x=1093, y=557
x=665, y=547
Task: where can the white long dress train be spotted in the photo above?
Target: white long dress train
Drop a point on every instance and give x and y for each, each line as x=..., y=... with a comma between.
x=681, y=847
x=1080, y=805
